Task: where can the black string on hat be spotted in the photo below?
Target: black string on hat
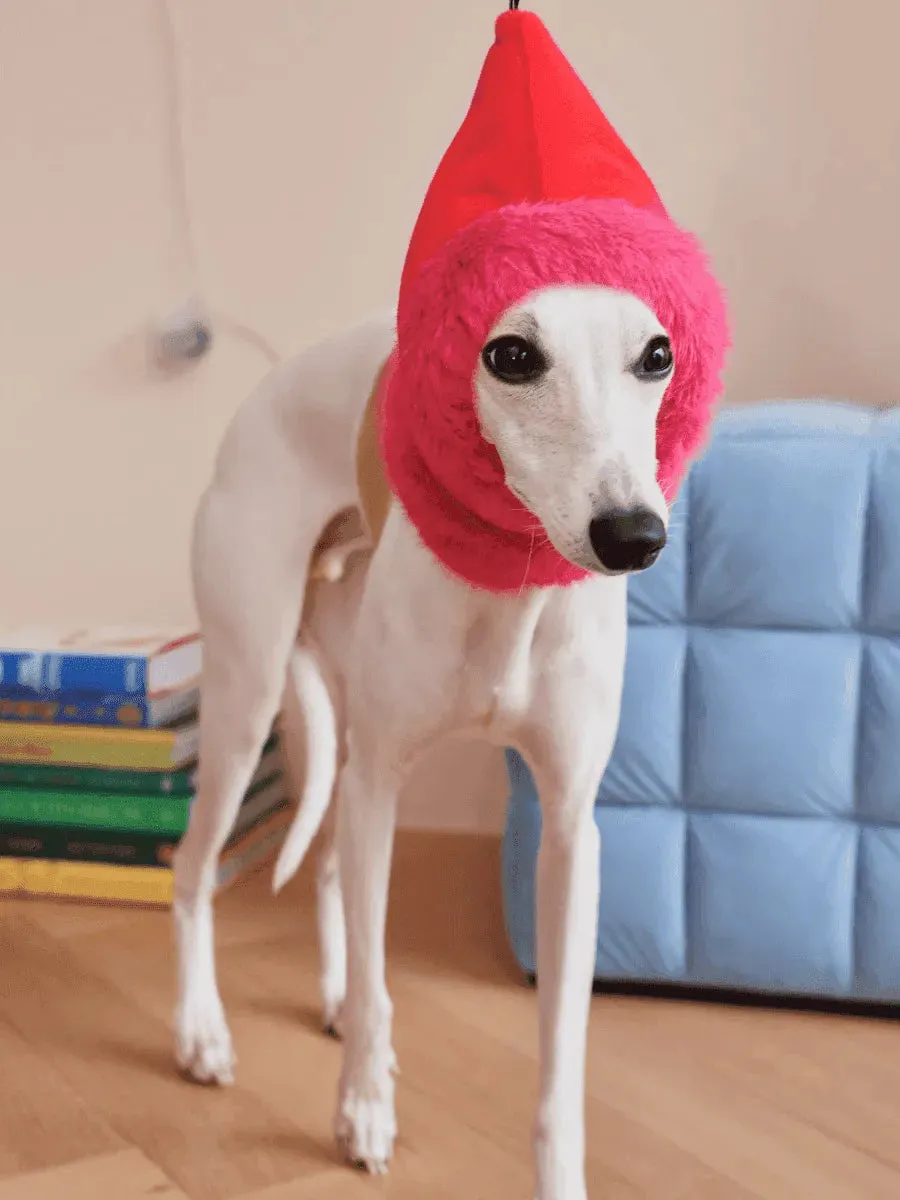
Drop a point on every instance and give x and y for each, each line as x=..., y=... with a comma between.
x=513, y=5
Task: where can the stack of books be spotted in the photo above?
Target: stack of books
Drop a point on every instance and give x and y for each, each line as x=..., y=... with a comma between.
x=98, y=748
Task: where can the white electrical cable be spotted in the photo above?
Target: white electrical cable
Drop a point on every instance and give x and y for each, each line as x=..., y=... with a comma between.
x=182, y=224
x=187, y=332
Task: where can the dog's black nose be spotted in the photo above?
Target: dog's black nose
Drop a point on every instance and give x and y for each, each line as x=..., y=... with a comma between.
x=627, y=539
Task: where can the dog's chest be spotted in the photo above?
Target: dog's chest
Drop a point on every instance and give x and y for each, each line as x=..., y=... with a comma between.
x=433, y=656
x=498, y=676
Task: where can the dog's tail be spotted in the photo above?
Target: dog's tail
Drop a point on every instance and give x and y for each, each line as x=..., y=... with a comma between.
x=321, y=763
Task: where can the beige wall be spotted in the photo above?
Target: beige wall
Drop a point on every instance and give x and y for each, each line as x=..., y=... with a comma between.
x=312, y=127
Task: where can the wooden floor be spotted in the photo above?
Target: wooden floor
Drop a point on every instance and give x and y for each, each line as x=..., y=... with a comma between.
x=686, y=1101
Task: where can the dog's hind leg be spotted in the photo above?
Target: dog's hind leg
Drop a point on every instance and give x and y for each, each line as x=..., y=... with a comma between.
x=252, y=542
x=249, y=588
x=286, y=468
x=332, y=930
x=366, y=813
x=309, y=722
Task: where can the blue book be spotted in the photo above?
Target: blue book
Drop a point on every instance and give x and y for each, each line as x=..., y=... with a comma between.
x=131, y=712
x=98, y=667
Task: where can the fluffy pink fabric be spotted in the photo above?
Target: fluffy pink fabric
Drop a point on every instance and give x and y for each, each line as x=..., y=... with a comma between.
x=447, y=477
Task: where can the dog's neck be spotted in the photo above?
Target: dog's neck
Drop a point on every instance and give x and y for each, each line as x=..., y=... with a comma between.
x=485, y=555
x=488, y=653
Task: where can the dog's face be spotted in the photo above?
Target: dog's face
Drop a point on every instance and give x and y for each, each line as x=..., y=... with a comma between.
x=568, y=388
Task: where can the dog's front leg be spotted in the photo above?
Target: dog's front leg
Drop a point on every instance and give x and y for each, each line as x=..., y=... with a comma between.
x=568, y=756
x=367, y=802
x=568, y=890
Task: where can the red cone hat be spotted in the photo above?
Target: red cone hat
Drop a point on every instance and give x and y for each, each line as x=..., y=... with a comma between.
x=536, y=190
x=533, y=133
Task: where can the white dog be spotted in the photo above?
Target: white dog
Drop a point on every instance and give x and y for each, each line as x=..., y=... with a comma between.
x=406, y=654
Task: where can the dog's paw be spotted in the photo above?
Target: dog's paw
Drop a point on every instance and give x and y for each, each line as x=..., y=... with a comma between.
x=203, y=1047
x=332, y=1011
x=331, y=1024
x=560, y=1171
x=562, y=1189
x=366, y=1127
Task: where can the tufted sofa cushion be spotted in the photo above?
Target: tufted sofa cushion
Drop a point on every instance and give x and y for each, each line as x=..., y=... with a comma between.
x=750, y=814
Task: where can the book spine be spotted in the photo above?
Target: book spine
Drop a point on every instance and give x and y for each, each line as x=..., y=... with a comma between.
x=29, y=808
x=86, y=845
x=107, y=711
x=104, y=845
x=95, y=779
x=86, y=881
x=99, y=811
x=248, y=855
x=80, y=746
x=130, y=885
x=26, y=673
x=261, y=801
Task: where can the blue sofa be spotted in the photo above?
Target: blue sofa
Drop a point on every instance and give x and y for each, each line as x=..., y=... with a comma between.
x=750, y=814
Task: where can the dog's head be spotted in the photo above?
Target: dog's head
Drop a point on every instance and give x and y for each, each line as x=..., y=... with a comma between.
x=568, y=390
x=566, y=442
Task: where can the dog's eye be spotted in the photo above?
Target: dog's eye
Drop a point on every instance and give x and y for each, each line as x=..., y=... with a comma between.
x=513, y=359
x=656, y=361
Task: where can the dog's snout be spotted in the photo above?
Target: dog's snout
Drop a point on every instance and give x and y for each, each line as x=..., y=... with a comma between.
x=627, y=539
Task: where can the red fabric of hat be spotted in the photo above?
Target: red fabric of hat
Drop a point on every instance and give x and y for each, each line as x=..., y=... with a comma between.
x=536, y=190
x=533, y=132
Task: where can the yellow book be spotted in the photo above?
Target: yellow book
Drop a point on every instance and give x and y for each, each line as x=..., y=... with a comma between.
x=95, y=746
x=133, y=885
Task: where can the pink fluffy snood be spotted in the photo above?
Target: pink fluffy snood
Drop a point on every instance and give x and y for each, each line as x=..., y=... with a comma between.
x=448, y=479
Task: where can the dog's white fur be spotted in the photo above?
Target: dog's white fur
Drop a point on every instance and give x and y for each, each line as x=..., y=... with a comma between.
x=399, y=654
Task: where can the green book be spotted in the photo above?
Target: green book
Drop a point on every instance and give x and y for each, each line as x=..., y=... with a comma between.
x=127, y=812
x=131, y=848
x=45, y=778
